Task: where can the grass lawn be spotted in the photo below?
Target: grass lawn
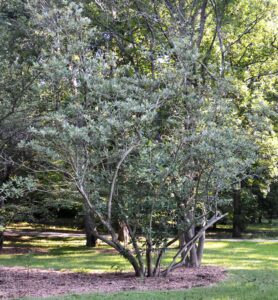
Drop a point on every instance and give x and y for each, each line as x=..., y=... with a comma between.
x=24, y=226
x=253, y=267
x=264, y=230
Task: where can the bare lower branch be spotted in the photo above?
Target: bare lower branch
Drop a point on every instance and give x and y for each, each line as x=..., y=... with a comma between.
x=126, y=153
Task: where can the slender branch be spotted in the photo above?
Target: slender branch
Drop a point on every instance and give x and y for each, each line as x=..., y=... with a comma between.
x=248, y=30
x=126, y=153
x=160, y=255
x=135, y=246
x=219, y=35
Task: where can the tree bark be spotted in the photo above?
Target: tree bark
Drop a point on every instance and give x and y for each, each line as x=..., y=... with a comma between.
x=123, y=234
x=192, y=261
x=1, y=225
x=182, y=243
x=149, y=259
x=91, y=240
x=237, y=213
x=188, y=246
x=260, y=218
x=1, y=240
x=200, y=248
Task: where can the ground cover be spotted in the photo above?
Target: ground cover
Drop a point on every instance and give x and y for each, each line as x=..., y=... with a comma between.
x=18, y=282
x=252, y=267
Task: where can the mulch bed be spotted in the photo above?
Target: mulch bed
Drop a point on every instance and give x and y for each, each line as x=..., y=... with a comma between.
x=17, y=282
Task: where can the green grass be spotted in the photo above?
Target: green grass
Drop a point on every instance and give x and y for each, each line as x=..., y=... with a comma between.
x=264, y=227
x=63, y=253
x=41, y=227
x=265, y=230
x=242, y=285
x=253, y=267
x=253, y=275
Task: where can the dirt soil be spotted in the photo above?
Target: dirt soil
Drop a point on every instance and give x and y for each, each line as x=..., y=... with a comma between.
x=18, y=282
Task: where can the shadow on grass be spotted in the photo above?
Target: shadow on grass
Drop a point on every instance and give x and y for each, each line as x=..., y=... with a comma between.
x=72, y=258
x=247, y=255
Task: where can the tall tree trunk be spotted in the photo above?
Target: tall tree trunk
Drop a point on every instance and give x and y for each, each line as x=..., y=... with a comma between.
x=6, y=175
x=260, y=217
x=1, y=225
x=91, y=240
x=1, y=239
x=237, y=213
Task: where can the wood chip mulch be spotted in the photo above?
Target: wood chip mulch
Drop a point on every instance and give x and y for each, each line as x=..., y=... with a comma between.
x=18, y=282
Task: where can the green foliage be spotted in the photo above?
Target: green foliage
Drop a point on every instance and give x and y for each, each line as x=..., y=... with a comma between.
x=16, y=187
x=151, y=112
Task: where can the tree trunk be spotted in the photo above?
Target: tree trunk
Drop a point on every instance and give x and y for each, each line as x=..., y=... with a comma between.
x=192, y=262
x=149, y=259
x=182, y=243
x=200, y=248
x=1, y=240
x=91, y=240
x=123, y=234
x=188, y=246
x=139, y=271
x=2, y=221
x=237, y=213
x=260, y=218
x=192, y=259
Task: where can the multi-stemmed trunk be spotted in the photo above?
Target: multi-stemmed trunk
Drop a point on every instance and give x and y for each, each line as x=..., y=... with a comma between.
x=151, y=267
x=152, y=264
x=184, y=250
x=193, y=259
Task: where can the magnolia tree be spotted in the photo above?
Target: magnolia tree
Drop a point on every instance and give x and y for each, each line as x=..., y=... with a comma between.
x=152, y=154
